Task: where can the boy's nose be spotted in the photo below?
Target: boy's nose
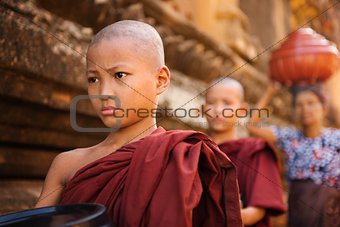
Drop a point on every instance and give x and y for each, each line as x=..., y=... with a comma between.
x=219, y=108
x=106, y=89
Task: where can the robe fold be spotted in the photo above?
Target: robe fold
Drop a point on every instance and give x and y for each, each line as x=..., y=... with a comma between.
x=258, y=175
x=169, y=178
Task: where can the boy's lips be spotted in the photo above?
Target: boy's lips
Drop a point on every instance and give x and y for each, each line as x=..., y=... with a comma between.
x=108, y=110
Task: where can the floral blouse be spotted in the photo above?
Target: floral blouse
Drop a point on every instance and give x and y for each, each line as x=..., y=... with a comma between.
x=316, y=159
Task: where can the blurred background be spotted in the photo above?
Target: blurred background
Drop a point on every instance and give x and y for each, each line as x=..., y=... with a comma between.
x=42, y=67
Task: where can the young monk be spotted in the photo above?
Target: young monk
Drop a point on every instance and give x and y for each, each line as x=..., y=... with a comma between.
x=255, y=160
x=144, y=175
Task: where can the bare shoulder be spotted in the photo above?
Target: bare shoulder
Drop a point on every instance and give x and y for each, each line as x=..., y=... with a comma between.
x=68, y=157
x=68, y=162
x=63, y=167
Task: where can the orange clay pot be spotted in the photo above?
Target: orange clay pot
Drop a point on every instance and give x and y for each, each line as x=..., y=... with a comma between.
x=304, y=58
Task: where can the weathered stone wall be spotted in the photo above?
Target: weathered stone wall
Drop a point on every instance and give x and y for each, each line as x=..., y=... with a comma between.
x=40, y=75
x=269, y=23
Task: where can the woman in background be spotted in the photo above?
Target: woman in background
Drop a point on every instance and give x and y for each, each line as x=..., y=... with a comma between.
x=311, y=155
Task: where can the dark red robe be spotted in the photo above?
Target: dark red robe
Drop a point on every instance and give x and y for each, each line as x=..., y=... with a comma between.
x=159, y=179
x=258, y=175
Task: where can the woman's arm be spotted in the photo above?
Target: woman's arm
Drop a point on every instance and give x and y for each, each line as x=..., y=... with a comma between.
x=253, y=122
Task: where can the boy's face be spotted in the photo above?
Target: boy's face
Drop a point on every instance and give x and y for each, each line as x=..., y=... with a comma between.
x=223, y=100
x=118, y=68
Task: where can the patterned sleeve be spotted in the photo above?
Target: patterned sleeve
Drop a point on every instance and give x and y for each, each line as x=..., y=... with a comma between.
x=337, y=138
x=283, y=135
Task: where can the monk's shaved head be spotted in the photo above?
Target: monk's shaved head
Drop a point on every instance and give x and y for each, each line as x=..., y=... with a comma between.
x=144, y=36
x=228, y=82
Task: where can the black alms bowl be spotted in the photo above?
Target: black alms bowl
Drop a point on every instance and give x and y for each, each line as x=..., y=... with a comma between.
x=84, y=214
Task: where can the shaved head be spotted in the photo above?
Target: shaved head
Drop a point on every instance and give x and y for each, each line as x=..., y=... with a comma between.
x=144, y=36
x=228, y=82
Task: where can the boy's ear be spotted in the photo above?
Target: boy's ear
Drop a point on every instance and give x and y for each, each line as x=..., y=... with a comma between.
x=163, y=79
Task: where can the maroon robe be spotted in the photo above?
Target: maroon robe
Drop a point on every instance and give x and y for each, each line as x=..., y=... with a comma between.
x=258, y=175
x=159, y=179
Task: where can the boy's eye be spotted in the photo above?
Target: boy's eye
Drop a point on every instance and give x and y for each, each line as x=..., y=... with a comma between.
x=92, y=79
x=120, y=75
